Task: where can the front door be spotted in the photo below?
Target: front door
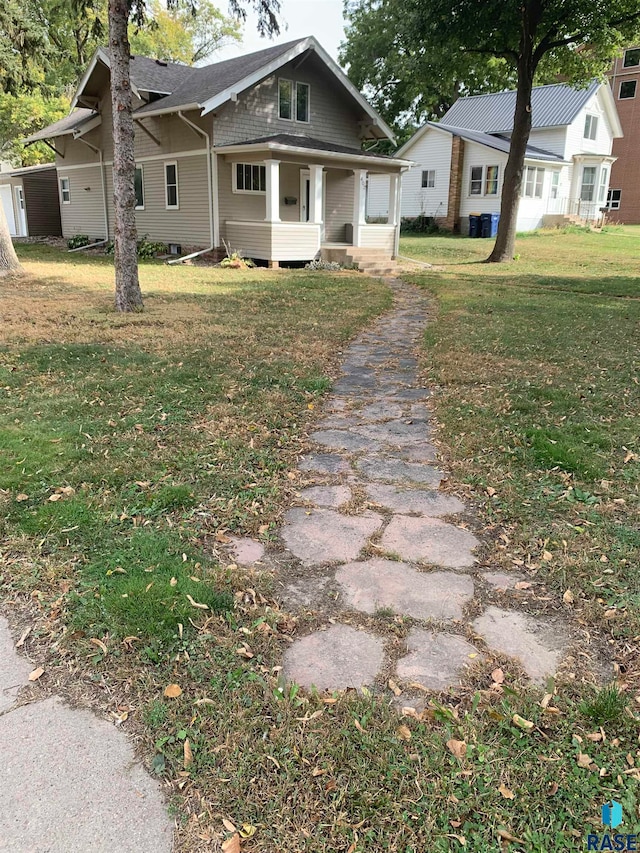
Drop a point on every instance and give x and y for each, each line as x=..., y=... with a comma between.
x=305, y=195
x=22, y=213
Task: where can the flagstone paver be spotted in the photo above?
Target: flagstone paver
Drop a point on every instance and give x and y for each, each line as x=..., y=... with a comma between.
x=435, y=660
x=379, y=420
x=246, y=551
x=14, y=669
x=324, y=536
x=335, y=659
x=537, y=644
x=430, y=540
x=376, y=584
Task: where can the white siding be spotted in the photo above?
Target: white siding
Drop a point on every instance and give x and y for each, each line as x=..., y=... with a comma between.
x=480, y=155
x=431, y=151
x=553, y=139
x=603, y=143
x=275, y=241
x=378, y=237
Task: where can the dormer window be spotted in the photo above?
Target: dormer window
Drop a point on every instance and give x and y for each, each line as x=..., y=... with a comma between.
x=293, y=101
x=590, y=127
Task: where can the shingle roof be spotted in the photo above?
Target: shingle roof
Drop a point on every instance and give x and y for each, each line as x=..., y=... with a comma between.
x=154, y=75
x=204, y=83
x=63, y=126
x=499, y=143
x=551, y=106
x=292, y=141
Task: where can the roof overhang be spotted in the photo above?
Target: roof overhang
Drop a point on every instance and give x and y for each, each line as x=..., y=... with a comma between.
x=301, y=47
x=611, y=110
x=77, y=131
x=394, y=163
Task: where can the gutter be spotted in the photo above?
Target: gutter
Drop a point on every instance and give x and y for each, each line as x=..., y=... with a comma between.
x=104, y=187
x=207, y=138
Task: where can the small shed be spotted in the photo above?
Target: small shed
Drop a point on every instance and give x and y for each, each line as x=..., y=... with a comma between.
x=31, y=201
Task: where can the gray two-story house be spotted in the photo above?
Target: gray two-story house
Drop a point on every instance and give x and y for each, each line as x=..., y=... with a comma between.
x=266, y=152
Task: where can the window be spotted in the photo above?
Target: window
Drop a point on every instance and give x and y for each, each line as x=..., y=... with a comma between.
x=631, y=58
x=138, y=185
x=590, y=127
x=604, y=180
x=555, y=182
x=250, y=178
x=293, y=94
x=429, y=179
x=588, y=183
x=628, y=89
x=171, y=185
x=65, y=191
x=475, y=185
x=533, y=182
x=285, y=99
x=302, y=102
x=491, y=181
x=613, y=199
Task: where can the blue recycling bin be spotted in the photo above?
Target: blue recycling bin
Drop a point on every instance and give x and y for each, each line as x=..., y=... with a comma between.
x=474, y=224
x=489, y=224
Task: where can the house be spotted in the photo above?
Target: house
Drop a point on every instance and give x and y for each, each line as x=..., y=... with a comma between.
x=460, y=160
x=262, y=152
x=29, y=197
x=624, y=192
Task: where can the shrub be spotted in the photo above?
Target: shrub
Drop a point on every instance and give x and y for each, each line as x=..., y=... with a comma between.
x=419, y=225
x=78, y=241
x=149, y=249
x=329, y=266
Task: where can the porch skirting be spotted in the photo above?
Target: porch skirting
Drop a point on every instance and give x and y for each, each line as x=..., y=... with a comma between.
x=275, y=241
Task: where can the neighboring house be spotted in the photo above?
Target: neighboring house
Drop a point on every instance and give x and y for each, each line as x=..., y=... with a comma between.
x=624, y=193
x=263, y=152
x=460, y=160
x=29, y=197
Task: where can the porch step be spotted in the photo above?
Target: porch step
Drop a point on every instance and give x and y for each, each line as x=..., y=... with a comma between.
x=372, y=261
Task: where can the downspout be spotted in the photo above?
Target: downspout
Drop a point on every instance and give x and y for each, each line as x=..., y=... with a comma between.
x=210, y=248
x=104, y=186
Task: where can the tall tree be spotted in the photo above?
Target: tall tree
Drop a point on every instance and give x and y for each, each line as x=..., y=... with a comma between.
x=22, y=39
x=75, y=28
x=574, y=38
x=182, y=34
x=21, y=115
x=128, y=295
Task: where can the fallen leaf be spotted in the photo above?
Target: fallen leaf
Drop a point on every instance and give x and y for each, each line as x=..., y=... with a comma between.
x=23, y=637
x=490, y=491
x=318, y=771
x=358, y=725
x=22, y=497
x=594, y=736
x=404, y=732
x=394, y=687
x=458, y=748
x=172, y=691
x=173, y=582
x=55, y=497
x=35, y=675
x=99, y=644
x=232, y=845
x=568, y=597
x=584, y=760
x=245, y=651
x=248, y=830
x=547, y=556
x=507, y=836
x=506, y=792
x=522, y=585
x=188, y=754
x=228, y=825
x=498, y=676
x=69, y=491
x=553, y=789
x=521, y=723
x=197, y=603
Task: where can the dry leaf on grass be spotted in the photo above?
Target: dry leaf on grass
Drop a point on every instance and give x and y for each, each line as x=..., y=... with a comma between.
x=35, y=675
x=197, y=603
x=568, y=597
x=507, y=836
x=498, y=676
x=394, y=687
x=404, y=732
x=188, y=754
x=585, y=761
x=457, y=748
x=506, y=792
x=22, y=497
x=96, y=642
x=232, y=845
x=172, y=691
x=521, y=723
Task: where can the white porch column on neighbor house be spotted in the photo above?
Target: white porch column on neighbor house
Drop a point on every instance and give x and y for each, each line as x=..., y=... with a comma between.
x=359, y=203
x=273, y=190
x=394, y=186
x=316, y=176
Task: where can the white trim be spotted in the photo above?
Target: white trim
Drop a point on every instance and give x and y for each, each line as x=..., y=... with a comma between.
x=484, y=167
x=215, y=199
x=141, y=167
x=99, y=56
x=22, y=227
x=168, y=206
x=60, y=180
x=308, y=119
x=150, y=158
x=141, y=113
x=293, y=105
x=386, y=166
x=91, y=124
x=260, y=223
x=250, y=80
x=234, y=178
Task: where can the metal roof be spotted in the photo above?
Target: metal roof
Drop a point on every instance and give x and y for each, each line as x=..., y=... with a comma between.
x=499, y=143
x=551, y=106
x=63, y=126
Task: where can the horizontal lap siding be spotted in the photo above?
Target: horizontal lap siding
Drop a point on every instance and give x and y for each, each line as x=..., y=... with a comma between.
x=378, y=196
x=238, y=206
x=378, y=237
x=431, y=151
x=339, y=204
x=84, y=215
x=250, y=242
x=295, y=244
x=189, y=224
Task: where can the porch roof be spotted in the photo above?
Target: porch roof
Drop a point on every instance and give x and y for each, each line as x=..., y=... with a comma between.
x=305, y=145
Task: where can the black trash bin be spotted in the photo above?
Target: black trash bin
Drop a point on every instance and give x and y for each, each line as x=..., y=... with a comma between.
x=489, y=224
x=474, y=224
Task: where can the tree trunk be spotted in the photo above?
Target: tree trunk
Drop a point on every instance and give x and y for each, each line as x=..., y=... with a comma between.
x=504, y=248
x=9, y=263
x=128, y=295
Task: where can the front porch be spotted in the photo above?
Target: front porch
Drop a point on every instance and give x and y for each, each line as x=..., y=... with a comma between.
x=288, y=201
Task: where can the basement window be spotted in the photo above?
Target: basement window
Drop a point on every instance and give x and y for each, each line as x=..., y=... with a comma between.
x=613, y=199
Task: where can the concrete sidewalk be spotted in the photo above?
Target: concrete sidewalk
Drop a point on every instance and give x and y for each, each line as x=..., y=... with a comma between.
x=70, y=782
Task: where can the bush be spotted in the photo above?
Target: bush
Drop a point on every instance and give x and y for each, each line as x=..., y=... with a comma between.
x=78, y=241
x=329, y=266
x=146, y=248
x=419, y=225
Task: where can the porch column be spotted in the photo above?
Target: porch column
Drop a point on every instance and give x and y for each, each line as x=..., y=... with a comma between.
x=359, y=203
x=394, y=186
x=316, y=175
x=273, y=190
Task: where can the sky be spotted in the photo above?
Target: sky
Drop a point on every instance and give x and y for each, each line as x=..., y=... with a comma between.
x=320, y=18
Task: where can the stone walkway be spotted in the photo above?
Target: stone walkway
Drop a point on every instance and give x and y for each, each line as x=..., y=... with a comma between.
x=70, y=780
x=376, y=537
